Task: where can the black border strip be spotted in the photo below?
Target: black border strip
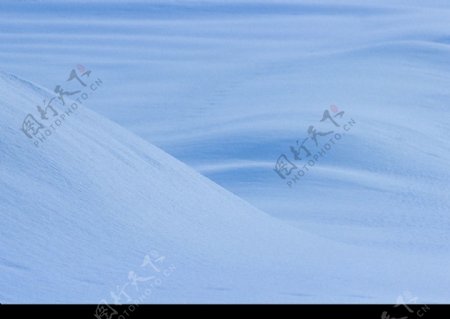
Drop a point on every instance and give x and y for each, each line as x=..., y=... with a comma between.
x=298, y=311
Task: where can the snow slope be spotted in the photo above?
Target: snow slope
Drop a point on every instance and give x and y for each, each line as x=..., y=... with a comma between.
x=227, y=86
x=84, y=209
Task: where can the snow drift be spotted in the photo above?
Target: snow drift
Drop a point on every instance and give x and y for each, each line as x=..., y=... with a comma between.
x=82, y=212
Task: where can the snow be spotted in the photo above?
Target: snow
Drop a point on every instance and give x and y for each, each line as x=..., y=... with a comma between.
x=82, y=210
x=226, y=87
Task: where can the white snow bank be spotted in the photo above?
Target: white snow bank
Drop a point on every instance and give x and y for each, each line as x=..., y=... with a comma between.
x=81, y=212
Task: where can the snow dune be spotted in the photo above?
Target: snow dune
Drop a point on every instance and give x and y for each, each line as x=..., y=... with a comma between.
x=81, y=212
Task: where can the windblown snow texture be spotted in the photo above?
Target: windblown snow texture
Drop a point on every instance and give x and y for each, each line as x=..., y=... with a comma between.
x=81, y=211
x=226, y=87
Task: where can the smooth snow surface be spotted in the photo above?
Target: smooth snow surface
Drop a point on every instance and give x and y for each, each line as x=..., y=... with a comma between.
x=80, y=213
x=226, y=87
